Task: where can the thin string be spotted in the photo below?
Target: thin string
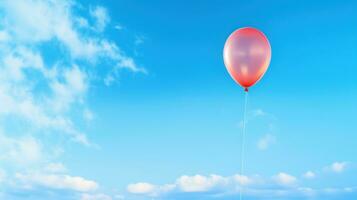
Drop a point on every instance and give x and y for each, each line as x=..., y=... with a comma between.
x=243, y=143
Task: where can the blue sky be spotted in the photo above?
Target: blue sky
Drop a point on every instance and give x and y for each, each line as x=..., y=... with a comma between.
x=124, y=99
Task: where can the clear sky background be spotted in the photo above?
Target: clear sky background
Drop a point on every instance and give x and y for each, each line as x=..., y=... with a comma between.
x=125, y=99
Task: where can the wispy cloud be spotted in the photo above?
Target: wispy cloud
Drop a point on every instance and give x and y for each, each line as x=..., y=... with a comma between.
x=20, y=151
x=55, y=168
x=100, y=14
x=265, y=141
x=258, y=113
x=51, y=55
x=42, y=91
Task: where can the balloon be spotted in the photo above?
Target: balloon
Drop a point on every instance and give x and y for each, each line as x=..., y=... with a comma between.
x=247, y=56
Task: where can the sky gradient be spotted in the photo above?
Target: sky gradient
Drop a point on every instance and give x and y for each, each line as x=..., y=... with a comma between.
x=104, y=100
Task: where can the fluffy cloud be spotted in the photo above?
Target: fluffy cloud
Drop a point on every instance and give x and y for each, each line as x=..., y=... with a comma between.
x=194, y=184
x=282, y=185
x=141, y=188
x=56, y=181
x=285, y=179
x=244, y=180
x=199, y=183
x=149, y=189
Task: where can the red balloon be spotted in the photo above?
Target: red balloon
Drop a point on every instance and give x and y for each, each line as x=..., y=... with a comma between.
x=247, y=56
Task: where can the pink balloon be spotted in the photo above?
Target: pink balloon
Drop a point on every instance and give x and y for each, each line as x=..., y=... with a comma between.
x=247, y=56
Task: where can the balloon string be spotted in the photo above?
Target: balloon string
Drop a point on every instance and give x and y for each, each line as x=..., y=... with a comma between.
x=243, y=143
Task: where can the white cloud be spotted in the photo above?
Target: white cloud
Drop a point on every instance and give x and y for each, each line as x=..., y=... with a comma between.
x=42, y=21
x=72, y=89
x=266, y=141
x=196, y=183
x=50, y=56
x=55, y=168
x=243, y=180
x=141, y=188
x=31, y=20
x=309, y=175
x=56, y=181
x=285, y=179
x=16, y=61
x=337, y=167
x=149, y=189
x=39, y=21
x=19, y=93
x=199, y=183
x=46, y=96
x=82, y=22
x=22, y=150
x=101, y=16
x=279, y=186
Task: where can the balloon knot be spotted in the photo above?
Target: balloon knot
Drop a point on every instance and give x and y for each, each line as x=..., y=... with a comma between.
x=246, y=89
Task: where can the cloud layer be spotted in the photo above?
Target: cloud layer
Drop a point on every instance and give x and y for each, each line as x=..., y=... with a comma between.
x=279, y=186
